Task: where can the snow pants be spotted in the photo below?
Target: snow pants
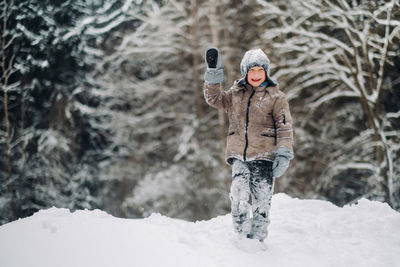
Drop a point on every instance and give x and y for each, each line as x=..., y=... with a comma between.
x=251, y=193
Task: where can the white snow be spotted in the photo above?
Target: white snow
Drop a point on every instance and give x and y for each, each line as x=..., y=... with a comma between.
x=302, y=233
x=251, y=57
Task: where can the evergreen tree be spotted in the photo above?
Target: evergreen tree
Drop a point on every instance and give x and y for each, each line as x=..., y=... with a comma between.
x=58, y=132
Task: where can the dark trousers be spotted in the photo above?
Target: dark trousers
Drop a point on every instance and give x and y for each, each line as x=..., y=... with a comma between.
x=251, y=193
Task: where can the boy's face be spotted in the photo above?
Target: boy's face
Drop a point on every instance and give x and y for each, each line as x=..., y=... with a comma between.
x=256, y=76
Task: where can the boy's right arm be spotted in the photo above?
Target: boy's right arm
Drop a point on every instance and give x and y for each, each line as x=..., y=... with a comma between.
x=217, y=98
x=213, y=78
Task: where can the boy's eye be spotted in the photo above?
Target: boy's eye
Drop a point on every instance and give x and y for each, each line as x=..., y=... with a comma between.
x=256, y=70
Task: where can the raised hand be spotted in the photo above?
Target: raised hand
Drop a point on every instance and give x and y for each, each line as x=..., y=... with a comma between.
x=211, y=58
x=214, y=73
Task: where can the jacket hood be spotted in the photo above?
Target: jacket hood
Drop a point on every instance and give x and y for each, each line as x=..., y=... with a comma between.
x=253, y=58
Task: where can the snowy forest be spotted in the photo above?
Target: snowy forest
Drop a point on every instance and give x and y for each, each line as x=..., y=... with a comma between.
x=102, y=102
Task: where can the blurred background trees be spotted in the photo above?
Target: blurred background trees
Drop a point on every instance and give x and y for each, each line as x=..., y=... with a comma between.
x=102, y=103
x=348, y=50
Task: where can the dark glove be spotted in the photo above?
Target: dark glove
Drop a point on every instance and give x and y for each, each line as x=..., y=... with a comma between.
x=214, y=73
x=283, y=155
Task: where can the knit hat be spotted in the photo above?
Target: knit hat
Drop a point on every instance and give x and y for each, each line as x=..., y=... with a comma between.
x=255, y=58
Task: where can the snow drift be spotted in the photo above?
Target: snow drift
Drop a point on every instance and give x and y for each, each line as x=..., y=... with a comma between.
x=302, y=233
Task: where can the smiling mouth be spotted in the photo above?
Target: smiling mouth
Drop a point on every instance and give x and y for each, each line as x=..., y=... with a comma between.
x=254, y=80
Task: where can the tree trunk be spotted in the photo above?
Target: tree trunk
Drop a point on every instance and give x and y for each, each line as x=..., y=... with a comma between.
x=195, y=58
x=7, y=122
x=215, y=42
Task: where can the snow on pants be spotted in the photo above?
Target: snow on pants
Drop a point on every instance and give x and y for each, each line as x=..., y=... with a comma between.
x=251, y=181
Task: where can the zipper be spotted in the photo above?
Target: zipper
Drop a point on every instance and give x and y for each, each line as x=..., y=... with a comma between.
x=247, y=125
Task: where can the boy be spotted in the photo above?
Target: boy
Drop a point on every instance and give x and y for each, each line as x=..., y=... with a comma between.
x=260, y=137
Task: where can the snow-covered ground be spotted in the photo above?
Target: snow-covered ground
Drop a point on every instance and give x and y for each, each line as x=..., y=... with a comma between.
x=302, y=233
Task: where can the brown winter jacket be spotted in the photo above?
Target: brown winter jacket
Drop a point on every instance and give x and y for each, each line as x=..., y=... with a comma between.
x=259, y=120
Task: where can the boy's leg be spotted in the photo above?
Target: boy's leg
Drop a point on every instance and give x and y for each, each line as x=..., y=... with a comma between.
x=239, y=195
x=261, y=187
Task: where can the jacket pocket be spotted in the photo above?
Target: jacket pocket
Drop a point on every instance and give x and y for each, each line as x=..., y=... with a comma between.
x=267, y=135
x=269, y=132
x=283, y=116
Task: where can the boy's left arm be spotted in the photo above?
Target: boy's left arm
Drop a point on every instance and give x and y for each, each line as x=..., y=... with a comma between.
x=284, y=135
x=283, y=124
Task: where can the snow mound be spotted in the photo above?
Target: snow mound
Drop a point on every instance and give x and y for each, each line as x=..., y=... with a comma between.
x=302, y=233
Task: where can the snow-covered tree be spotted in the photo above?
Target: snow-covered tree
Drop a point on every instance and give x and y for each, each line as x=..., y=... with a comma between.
x=165, y=125
x=158, y=122
x=106, y=109
x=59, y=131
x=334, y=55
x=7, y=201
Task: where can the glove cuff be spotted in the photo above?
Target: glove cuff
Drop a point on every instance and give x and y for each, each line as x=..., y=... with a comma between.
x=283, y=151
x=214, y=76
